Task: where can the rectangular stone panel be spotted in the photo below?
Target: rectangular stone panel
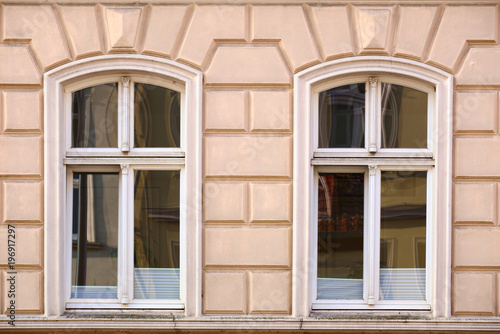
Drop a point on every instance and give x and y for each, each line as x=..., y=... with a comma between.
x=261, y=155
x=270, y=292
x=477, y=156
x=225, y=201
x=21, y=155
x=475, y=202
x=224, y=292
x=243, y=246
x=476, y=247
x=270, y=202
x=21, y=110
x=476, y=112
x=225, y=111
x=27, y=245
x=22, y=201
x=271, y=111
x=28, y=290
x=473, y=293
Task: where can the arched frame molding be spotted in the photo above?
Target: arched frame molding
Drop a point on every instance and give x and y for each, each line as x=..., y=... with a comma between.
x=55, y=82
x=303, y=209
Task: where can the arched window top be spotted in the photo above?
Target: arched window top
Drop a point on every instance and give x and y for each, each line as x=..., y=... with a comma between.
x=401, y=80
x=149, y=69
x=155, y=114
x=133, y=76
x=381, y=78
x=107, y=77
x=398, y=111
x=396, y=68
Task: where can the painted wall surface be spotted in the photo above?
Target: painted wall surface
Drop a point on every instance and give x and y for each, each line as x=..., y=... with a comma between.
x=249, y=54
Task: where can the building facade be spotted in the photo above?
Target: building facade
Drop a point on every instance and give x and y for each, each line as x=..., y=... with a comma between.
x=266, y=166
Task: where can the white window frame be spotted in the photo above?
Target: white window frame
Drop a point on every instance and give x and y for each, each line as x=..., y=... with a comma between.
x=61, y=160
x=308, y=159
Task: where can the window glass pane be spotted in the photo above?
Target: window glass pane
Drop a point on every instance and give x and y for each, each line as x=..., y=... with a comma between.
x=94, y=116
x=404, y=117
x=95, y=235
x=156, y=234
x=156, y=116
x=342, y=117
x=402, y=235
x=340, y=235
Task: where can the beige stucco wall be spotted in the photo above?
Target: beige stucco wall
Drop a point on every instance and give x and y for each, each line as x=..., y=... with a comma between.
x=248, y=54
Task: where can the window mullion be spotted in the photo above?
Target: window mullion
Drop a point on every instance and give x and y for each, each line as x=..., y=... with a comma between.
x=372, y=112
x=125, y=113
x=123, y=249
x=371, y=234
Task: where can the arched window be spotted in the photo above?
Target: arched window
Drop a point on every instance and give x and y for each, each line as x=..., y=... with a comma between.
x=123, y=175
x=372, y=143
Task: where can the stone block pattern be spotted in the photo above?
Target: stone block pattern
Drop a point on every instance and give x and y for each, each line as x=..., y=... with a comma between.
x=248, y=54
x=476, y=264
x=31, y=43
x=21, y=194
x=269, y=39
x=247, y=170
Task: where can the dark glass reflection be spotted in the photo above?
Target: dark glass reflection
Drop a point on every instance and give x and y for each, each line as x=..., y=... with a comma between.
x=94, y=116
x=95, y=235
x=156, y=234
x=340, y=235
x=404, y=117
x=157, y=120
x=403, y=235
x=342, y=117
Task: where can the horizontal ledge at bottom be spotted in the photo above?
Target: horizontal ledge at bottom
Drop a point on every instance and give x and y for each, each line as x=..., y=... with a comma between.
x=463, y=324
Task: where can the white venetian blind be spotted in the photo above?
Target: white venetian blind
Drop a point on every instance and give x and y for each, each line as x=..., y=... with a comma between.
x=340, y=288
x=402, y=283
x=156, y=283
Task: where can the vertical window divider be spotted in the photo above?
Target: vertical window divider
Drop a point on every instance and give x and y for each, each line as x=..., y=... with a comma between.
x=430, y=248
x=372, y=112
x=125, y=113
x=314, y=233
x=69, y=230
x=123, y=248
x=67, y=120
x=376, y=236
x=182, y=237
x=370, y=235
